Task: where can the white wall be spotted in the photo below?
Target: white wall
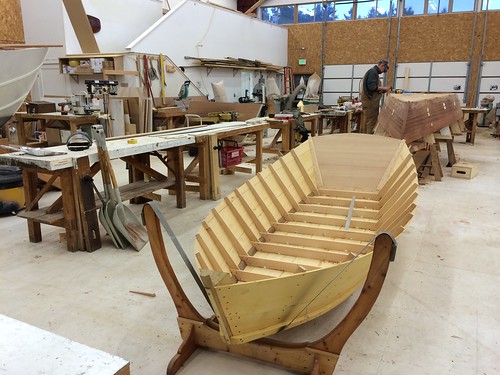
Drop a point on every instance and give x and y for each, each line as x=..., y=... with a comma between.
x=191, y=28
x=197, y=29
x=121, y=22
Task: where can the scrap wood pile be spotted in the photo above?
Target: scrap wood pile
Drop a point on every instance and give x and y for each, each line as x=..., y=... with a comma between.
x=235, y=63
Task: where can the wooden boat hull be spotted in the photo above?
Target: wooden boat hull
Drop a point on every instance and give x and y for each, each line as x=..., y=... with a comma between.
x=20, y=68
x=295, y=241
x=413, y=116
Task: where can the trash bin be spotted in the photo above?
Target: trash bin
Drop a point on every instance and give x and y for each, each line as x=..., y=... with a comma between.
x=11, y=189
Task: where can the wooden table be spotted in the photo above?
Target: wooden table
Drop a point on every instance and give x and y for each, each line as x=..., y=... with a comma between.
x=284, y=140
x=76, y=209
x=166, y=116
x=471, y=123
x=342, y=118
x=207, y=140
x=47, y=119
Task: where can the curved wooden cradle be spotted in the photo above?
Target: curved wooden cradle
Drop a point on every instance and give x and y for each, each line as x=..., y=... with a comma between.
x=296, y=240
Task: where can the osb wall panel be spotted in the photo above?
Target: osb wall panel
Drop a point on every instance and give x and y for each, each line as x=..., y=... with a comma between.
x=346, y=42
x=11, y=22
x=446, y=37
x=492, y=45
x=356, y=42
x=304, y=42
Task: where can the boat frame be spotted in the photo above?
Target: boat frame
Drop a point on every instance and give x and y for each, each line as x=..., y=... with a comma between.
x=317, y=357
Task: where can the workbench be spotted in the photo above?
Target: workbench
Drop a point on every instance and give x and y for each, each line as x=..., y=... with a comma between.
x=207, y=140
x=164, y=117
x=76, y=208
x=27, y=349
x=471, y=123
x=284, y=139
x=72, y=122
x=339, y=119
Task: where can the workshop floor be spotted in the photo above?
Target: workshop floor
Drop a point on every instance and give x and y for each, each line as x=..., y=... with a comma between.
x=438, y=311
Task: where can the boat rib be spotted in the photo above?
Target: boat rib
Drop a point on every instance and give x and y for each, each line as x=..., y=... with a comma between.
x=295, y=241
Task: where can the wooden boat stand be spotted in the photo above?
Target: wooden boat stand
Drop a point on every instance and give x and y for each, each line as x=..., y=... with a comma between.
x=315, y=358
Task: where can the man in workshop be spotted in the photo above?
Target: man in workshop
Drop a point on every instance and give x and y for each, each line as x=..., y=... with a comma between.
x=371, y=93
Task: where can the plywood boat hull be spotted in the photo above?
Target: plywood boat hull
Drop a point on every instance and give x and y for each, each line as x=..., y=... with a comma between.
x=413, y=116
x=20, y=68
x=295, y=241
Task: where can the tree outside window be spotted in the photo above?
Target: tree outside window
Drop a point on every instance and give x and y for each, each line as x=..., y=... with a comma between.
x=413, y=7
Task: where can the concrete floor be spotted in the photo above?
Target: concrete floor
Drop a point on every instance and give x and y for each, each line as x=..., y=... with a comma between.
x=438, y=311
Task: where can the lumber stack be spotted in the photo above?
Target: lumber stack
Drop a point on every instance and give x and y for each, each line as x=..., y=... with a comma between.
x=235, y=63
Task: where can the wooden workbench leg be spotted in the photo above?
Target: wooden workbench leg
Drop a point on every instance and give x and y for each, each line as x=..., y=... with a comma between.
x=176, y=162
x=286, y=136
x=30, y=182
x=135, y=175
x=21, y=132
x=474, y=127
x=203, y=170
x=86, y=207
x=213, y=165
x=451, y=153
x=258, y=151
x=69, y=208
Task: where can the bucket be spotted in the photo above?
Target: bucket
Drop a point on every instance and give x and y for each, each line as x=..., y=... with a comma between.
x=11, y=186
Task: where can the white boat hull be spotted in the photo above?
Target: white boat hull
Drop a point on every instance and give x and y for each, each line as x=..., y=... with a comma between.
x=20, y=68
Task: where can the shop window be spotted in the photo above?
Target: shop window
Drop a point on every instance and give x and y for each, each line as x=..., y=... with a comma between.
x=437, y=6
x=306, y=13
x=278, y=15
x=413, y=7
x=491, y=4
x=343, y=11
x=463, y=6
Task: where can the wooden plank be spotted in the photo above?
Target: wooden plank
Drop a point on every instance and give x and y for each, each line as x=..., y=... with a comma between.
x=255, y=219
x=219, y=246
x=275, y=264
x=262, y=205
x=302, y=251
x=242, y=223
x=291, y=200
x=335, y=210
x=303, y=170
x=333, y=220
x=314, y=242
x=214, y=264
x=228, y=231
x=344, y=201
x=293, y=178
x=81, y=26
x=273, y=195
x=325, y=230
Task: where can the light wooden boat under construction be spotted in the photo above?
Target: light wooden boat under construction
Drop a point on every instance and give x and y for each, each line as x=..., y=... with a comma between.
x=295, y=241
x=291, y=244
x=413, y=116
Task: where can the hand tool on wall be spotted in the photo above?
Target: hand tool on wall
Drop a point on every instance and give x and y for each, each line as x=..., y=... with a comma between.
x=162, y=79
